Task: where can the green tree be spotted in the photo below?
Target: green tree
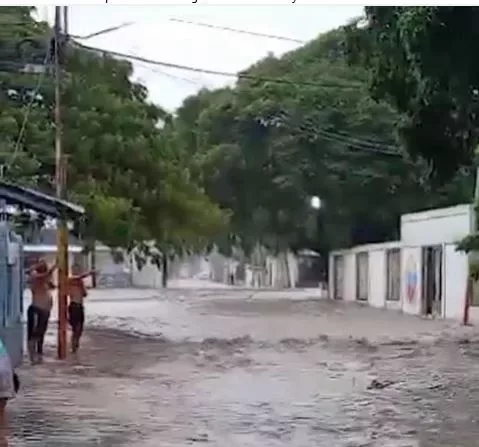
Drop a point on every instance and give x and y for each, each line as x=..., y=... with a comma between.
x=422, y=60
x=122, y=165
x=302, y=125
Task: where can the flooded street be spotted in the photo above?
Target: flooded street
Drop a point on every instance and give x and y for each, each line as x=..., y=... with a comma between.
x=234, y=368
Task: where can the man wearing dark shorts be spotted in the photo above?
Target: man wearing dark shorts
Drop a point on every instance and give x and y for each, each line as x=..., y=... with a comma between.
x=38, y=313
x=76, y=312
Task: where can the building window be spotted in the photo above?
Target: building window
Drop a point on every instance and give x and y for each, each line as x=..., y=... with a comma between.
x=362, y=276
x=393, y=274
x=338, y=277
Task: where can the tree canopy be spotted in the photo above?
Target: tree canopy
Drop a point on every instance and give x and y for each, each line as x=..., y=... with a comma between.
x=306, y=125
x=121, y=165
x=422, y=60
x=238, y=166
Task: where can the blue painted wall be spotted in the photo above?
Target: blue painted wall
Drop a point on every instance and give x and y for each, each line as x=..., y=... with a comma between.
x=11, y=293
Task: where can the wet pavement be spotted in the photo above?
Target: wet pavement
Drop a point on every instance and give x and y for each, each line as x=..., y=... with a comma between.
x=240, y=368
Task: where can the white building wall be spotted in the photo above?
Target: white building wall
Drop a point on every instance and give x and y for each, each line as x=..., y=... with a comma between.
x=438, y=226
x=446, y=227
x=194, y=266
x=455, y=271
x=455, y=274
x=443, y=227
x=148, y=276
x=292, y=268
x=377, y=285
x=377, y=278
x=281, y=270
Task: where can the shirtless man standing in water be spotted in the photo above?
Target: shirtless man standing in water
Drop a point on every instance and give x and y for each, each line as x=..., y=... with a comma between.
x=38, y=313
x=76, y=312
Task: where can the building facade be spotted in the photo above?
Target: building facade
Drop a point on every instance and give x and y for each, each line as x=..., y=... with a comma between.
x=421, y=274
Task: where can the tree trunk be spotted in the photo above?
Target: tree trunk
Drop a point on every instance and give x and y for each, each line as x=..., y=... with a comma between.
x=164, y=272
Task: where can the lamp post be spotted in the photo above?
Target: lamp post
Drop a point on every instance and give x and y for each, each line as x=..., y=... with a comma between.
x=317, y=205
x=315, y=202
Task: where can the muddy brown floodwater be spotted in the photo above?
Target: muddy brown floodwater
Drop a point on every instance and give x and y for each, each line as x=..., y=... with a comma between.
x=234, y=370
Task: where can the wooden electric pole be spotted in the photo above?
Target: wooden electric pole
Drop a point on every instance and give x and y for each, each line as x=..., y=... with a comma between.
x=60, y=180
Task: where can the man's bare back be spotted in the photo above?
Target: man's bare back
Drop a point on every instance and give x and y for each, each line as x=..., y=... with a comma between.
x=41, y=285
x=76, y=290
x=38, y=313
x=76, y=312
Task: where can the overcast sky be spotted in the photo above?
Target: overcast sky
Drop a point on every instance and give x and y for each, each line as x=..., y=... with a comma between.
x=154, y=36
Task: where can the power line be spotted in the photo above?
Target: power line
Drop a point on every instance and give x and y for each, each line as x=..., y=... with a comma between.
x=75, y=36
x=381, y=148
x=368, y=144
x=357, y=145
x=239, y=31
x=27, y=113
x=354, y=143
x=172, y=76
x=103, y=31
x=369, y=140
x=184, y=22
x=307, y=126
x=240, y=75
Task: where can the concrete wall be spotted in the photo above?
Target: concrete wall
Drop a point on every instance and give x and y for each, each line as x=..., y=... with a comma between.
x=377, y=278
x=455, y=273
x=376, y=270
x=150, y=276
x=442, y=227
x=280, y=271
x=445, y=227
x=438, y=226
x=454, y=277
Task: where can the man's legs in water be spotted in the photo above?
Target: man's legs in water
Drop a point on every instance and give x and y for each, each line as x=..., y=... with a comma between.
x=76, y=315
x=75, y=341
x=32, y=332
x=43, y=319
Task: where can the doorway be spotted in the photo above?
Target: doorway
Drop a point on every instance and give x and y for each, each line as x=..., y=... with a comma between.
x=338, y=277
x=362, y=276
x=432, y=281
x=393, y=275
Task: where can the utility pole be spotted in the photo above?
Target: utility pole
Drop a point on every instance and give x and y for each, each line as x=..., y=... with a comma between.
x=60, y=180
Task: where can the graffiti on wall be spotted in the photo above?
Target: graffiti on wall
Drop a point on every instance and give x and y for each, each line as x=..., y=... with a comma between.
x=412, y=278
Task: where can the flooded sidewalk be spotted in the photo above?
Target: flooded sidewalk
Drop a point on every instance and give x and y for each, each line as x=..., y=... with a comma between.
x=219, y=368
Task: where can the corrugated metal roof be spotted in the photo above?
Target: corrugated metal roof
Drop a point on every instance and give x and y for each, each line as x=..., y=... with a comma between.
x=40, y=202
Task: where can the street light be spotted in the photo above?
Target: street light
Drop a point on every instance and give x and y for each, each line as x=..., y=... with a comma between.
x=315, y=202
